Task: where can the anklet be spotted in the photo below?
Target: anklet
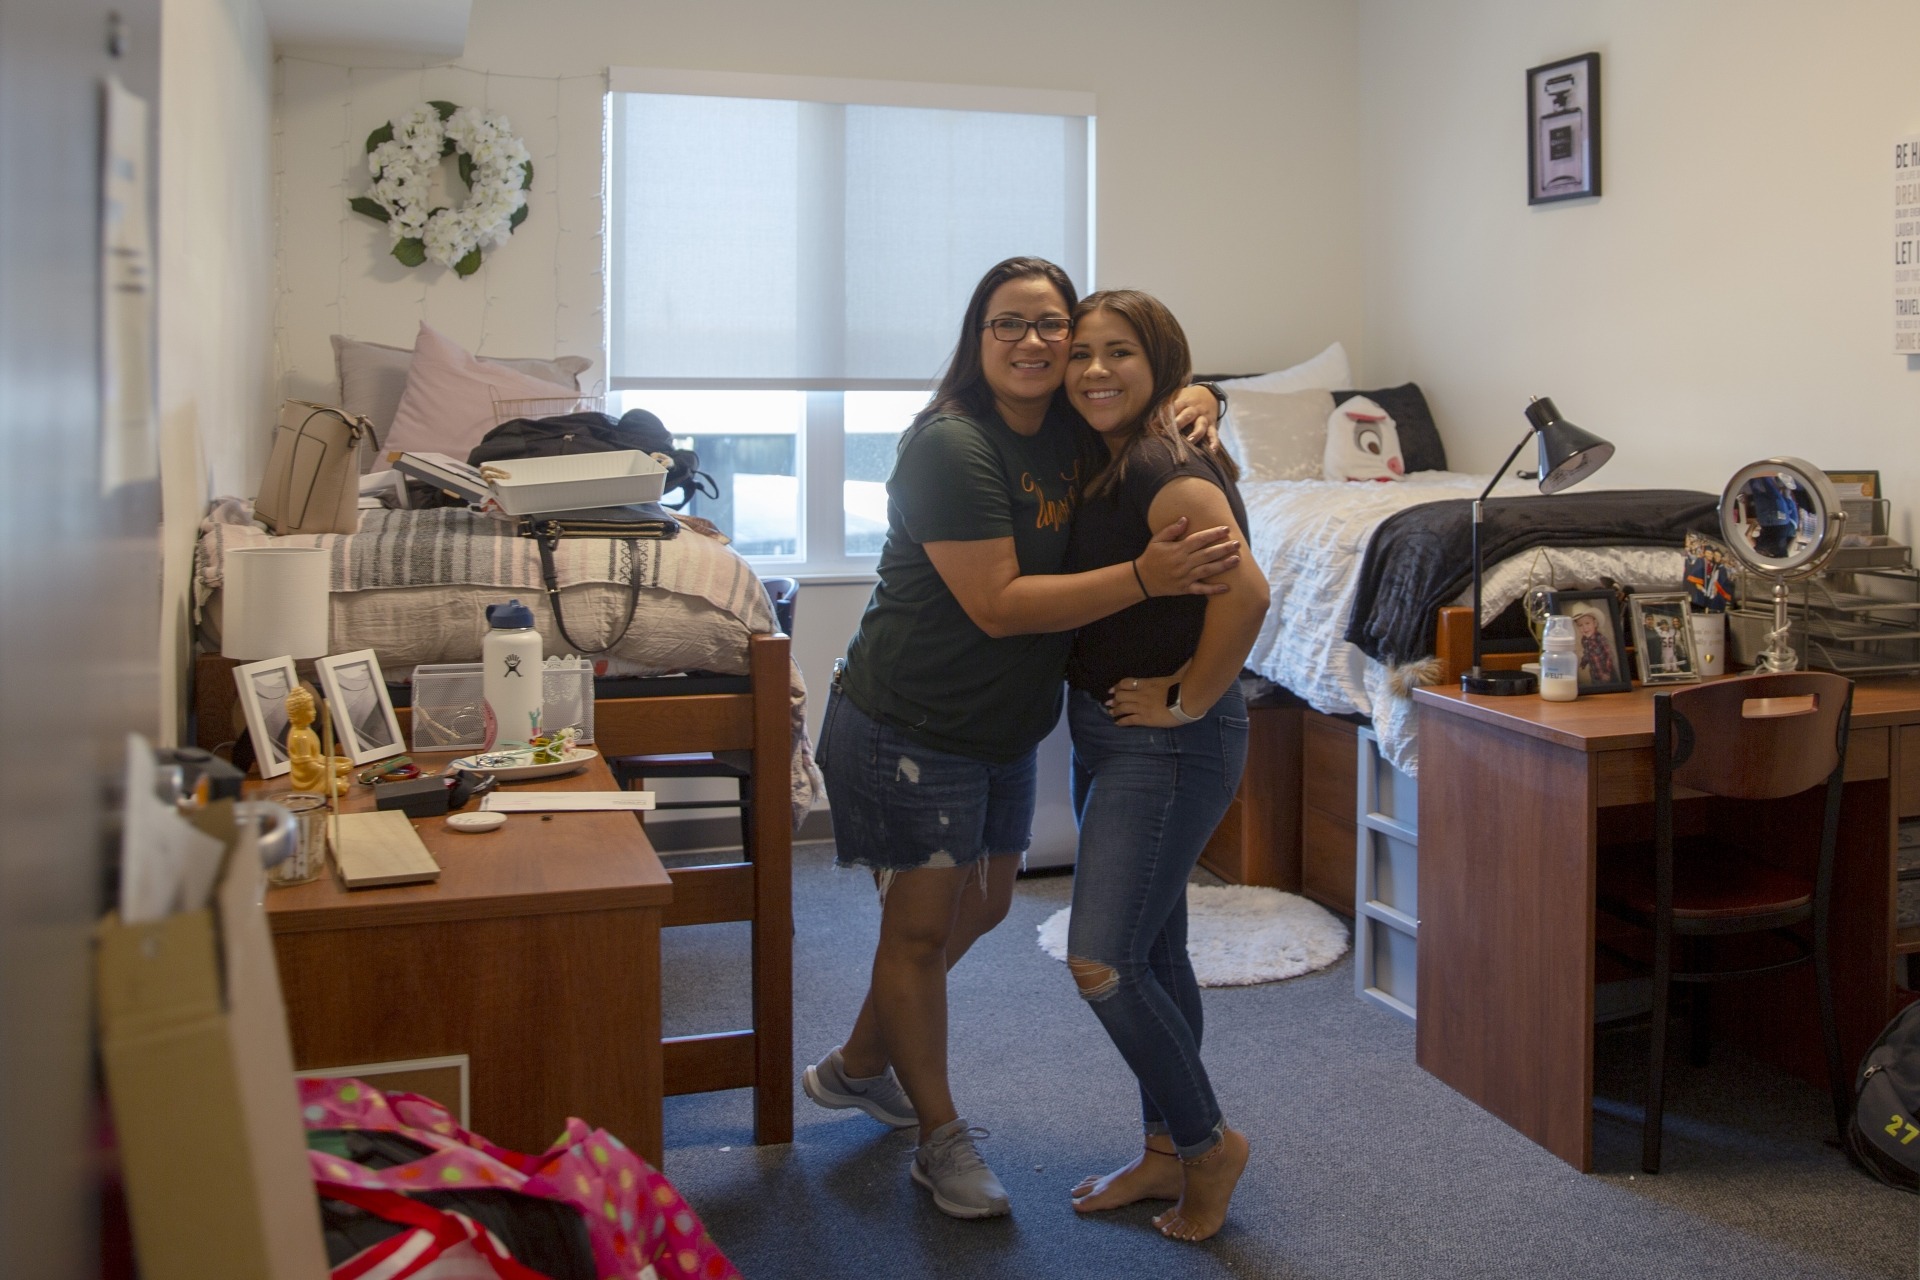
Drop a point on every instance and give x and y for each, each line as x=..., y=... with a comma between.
x=1215, y=1150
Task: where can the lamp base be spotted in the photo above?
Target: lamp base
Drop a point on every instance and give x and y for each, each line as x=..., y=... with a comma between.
x=1503, y=684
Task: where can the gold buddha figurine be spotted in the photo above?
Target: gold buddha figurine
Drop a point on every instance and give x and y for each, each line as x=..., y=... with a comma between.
x=309, y=772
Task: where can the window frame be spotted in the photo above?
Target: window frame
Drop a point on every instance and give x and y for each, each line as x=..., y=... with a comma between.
x=821, y=451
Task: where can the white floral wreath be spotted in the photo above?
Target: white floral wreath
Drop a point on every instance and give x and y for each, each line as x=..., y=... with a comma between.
x=402, y=156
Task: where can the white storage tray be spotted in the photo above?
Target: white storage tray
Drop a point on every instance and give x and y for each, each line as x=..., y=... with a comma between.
x=577, y=481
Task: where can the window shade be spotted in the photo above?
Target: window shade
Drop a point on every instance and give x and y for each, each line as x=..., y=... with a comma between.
x=800, y=242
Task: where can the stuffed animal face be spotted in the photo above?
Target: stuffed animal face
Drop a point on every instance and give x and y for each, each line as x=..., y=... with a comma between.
x=1362, y=443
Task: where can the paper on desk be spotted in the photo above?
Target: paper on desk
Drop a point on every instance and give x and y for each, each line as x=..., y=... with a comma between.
x=166, y=863
x=566, y=801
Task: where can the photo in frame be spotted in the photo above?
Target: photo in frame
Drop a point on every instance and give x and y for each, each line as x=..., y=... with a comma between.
x=1563, y=130
x=362, y=710
x=1663, y=639
x=1859, y=494
x=1596, y=625
x=264, y=687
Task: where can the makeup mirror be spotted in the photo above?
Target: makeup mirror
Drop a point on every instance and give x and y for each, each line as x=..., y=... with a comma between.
x=1781, y=519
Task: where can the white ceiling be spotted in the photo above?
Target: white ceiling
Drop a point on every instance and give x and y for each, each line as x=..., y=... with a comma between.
x=437, y=27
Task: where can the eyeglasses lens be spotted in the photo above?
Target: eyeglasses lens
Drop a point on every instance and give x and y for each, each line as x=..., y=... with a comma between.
x=1013, y=329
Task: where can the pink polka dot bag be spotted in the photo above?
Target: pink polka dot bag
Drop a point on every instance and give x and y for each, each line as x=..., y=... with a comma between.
x=639, y=1226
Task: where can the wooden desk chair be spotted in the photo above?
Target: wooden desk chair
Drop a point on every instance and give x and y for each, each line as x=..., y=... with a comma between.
x=1758, y=738
x=633, y=771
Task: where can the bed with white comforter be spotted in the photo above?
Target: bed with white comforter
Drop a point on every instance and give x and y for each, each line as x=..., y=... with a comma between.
x=1309, y=538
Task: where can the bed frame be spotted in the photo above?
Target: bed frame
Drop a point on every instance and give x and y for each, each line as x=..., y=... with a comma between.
x=728, y=713
x=1294, y=822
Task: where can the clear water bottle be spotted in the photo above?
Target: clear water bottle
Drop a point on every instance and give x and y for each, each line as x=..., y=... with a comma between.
x=1559, y=661
x=511, y=680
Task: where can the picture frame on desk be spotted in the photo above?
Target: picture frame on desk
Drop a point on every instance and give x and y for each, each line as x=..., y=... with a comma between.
x=1663, y=639
x=263, y=688
x=1596, y=620
x=361, y=707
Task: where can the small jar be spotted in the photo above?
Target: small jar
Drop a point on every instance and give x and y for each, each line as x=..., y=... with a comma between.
x=308, y=860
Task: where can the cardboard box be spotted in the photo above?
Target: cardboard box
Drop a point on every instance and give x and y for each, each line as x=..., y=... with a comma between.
x=193, y=1036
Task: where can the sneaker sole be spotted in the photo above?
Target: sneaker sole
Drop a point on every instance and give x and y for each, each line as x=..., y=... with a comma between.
x=953, y=1210
x=810, y=1084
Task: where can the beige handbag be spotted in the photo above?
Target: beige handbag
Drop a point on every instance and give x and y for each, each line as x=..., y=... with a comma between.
x=312, y=483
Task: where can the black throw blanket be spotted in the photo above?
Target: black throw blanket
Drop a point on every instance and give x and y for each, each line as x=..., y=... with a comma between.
x=1422, y=557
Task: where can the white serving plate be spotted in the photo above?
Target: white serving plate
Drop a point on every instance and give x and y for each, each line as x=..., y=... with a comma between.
x=577, y=758
x=577, y=481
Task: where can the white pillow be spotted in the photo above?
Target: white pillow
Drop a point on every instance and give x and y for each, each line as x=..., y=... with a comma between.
x=1277, y=435
x=1363, y=443
x=1328, y=370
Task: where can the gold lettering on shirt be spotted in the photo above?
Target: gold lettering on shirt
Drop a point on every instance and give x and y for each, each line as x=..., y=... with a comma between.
x=1053, y=513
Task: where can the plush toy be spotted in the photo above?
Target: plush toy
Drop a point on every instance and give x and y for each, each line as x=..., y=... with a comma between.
x=1362, y=443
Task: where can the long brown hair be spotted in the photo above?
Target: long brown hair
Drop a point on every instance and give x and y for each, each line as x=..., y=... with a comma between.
x=1169, y=361
x=963, y=389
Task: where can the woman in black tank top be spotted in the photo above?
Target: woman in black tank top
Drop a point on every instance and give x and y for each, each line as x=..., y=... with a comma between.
x=1159, y=739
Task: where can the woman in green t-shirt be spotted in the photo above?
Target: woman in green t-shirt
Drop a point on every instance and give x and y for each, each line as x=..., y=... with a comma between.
x=952, y=680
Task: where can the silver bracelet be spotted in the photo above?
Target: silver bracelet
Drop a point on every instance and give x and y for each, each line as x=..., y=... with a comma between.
x=1179, y=713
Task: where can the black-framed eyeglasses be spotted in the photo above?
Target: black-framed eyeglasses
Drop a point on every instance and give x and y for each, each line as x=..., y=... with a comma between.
x=1013, y=328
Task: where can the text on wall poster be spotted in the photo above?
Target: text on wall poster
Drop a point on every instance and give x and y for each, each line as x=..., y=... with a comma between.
x=1906, y=246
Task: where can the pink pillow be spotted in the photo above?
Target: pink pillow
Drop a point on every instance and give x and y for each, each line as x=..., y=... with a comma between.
x=449, y=401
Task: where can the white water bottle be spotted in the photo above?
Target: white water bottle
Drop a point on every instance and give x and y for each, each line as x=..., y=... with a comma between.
x=511, y=678
x=1559, y=661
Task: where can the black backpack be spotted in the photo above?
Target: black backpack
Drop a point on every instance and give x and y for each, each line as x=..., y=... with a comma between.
x=1885, y=1134
x=590, y=432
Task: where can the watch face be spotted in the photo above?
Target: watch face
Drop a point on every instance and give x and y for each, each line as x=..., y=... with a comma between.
x=1173, y=694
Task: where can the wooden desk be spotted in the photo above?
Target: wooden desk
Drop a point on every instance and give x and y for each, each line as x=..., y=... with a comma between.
x=536, y=954
x=1516, y=797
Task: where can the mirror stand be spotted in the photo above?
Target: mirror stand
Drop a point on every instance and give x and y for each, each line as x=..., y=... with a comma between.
x=1778, y=655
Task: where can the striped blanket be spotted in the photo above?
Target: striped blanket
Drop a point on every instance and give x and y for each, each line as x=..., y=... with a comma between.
x=410, y=585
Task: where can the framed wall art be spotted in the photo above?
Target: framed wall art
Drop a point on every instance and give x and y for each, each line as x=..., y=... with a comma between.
x=1596, y=624
x=362, y=710
x=1663, y=639
x=1563, y=130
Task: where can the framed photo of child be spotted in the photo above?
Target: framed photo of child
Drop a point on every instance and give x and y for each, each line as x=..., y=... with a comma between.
x=1596, y=624
x=1663, y=637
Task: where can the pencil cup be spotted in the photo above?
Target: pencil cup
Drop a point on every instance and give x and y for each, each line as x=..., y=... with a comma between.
x=308, y=861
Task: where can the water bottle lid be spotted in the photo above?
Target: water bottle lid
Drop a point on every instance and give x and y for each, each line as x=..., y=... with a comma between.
x=511, y=616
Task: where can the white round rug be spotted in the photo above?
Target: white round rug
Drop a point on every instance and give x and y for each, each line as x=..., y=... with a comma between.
x=1239, y=934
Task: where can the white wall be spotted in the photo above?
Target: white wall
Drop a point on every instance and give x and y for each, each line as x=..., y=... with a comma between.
x=537, y=295
x=216, y=294
x=1726, y=297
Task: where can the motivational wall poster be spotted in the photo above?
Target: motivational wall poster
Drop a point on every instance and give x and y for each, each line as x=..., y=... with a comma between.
x=1906, y=246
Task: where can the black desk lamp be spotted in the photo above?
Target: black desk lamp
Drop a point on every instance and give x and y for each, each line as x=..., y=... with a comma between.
x=1568, y=455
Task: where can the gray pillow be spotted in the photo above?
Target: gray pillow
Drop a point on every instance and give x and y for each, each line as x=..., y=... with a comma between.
x=373, y=377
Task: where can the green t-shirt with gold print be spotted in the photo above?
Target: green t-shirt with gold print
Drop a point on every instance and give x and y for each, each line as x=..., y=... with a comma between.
x=917, y=661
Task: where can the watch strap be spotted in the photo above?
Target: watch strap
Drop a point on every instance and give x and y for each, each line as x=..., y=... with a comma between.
x=1173, y=705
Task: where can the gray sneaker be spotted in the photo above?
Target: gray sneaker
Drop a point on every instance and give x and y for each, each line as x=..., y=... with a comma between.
x=949, y=1165
x=881, y=1096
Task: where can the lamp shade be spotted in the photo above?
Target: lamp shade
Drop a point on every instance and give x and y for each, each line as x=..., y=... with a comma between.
x=274, y=602
x=1568, y=454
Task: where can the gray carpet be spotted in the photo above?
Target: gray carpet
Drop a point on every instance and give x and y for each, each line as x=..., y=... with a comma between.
x=1363, y=1165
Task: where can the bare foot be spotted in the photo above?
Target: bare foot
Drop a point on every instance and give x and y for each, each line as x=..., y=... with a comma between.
x=1209, y=1186
x=1154, y=1175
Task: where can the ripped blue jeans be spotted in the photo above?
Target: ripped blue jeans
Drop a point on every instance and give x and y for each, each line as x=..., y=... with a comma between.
x=899, y=805
x=1147, y=800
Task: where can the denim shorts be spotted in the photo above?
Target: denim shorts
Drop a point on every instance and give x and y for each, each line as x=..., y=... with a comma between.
x=899, y=805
